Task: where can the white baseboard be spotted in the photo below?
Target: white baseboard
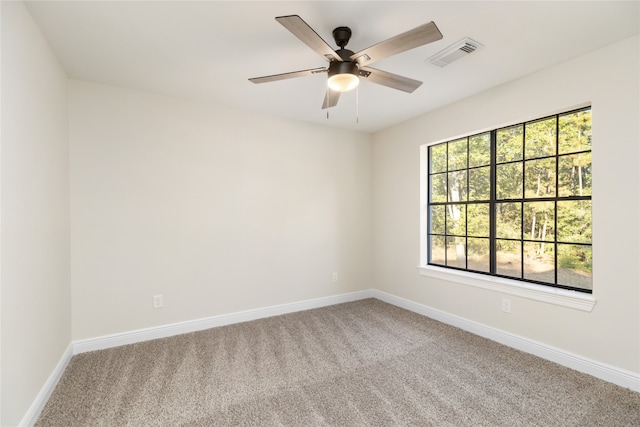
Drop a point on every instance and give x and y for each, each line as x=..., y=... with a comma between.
x=41, y=399
x=618, y=376
x=597, y=369
x=164, y=331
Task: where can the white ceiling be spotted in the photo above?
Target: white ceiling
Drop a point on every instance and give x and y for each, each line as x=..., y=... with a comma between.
x=207, y=50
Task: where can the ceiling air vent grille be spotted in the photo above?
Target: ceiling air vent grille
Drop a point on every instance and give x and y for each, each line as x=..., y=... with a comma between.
x=454, y=52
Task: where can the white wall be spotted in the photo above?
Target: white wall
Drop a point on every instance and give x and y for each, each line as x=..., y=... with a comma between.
x=609, y=79
x=219, y=210
x=222, y=210
x=34, y=283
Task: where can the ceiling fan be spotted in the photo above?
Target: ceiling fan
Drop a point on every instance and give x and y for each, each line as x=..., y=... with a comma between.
x=345, y=67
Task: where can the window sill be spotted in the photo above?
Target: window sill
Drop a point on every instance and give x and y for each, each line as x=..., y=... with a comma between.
x=557, y=296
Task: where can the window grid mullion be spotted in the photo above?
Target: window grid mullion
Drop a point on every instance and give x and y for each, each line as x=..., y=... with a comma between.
x=466, y=214
x=555, y=203
x=524, y=173
x=446, y=206
x=492, y=202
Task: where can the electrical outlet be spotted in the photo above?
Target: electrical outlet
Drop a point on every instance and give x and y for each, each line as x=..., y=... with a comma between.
x=157, y=301
x=334, y=277
x=506, y=305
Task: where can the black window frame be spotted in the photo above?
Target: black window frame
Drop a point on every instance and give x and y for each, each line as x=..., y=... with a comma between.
x=494, y=200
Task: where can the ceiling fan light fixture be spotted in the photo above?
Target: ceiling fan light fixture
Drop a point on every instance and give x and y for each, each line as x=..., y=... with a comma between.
x=343, y=76
x=343, y=82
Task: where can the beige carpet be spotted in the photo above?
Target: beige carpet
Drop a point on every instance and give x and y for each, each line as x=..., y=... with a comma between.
x=365, y=363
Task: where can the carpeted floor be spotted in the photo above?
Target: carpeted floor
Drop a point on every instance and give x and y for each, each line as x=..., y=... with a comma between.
x=364, y=363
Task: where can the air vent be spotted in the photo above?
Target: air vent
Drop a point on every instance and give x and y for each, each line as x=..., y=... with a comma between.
x=454, y=52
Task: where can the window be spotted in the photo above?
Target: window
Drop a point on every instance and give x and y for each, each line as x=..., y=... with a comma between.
x=515, y=202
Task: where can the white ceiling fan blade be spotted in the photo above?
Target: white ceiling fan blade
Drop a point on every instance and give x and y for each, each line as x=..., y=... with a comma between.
x=411, y=39
x=331, y=98
x=290, y=75
x=391, y=80
x=304, y=32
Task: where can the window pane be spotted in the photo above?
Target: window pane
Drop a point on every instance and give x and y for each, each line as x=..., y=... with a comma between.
x=509, y=181
x=480, y=150
x=479, y=184
x=456, y=221
x=458, y=154
x=456, y=252
x=538, y=221
x=574, y=221
x=575, y=132
x=575, y=175
x=540, y=178
x=539, y=262
x=437, y=250
x=478, y=220
x=437, y=219
x=478, y=254
x=532, y=183
x=508, y=258
x=508, y=220
x=438, y=188
x=458, y=186
x=509, y=144
x=438, y=158
x=540, y=140
x=575, y=266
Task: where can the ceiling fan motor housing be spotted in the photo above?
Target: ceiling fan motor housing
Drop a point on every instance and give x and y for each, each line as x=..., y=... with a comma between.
x=343, y=75
x=345, y=67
